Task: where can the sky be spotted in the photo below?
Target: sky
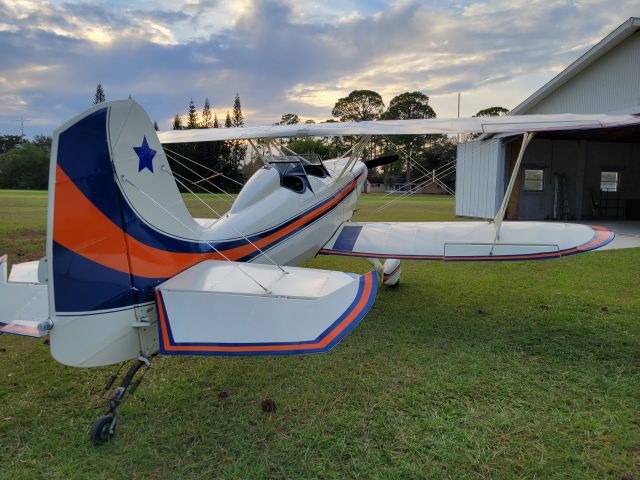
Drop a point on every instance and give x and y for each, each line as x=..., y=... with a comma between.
x=284, y=56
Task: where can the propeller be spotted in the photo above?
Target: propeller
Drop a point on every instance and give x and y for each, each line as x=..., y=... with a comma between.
x=380, y=161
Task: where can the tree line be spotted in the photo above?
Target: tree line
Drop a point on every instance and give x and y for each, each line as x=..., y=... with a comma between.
x=214, y=166
x=24, y=164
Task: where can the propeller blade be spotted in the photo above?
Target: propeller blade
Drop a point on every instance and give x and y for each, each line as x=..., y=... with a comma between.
x=380, y=161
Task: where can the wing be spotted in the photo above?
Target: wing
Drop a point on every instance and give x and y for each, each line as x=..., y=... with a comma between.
x=465, y=241
x=505, y=124
x=219, y=308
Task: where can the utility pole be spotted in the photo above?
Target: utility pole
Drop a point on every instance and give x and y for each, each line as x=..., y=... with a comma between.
x=458, y=114
x=22, y=120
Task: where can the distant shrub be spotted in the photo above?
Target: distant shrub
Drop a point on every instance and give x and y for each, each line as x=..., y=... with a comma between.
x=25, y=167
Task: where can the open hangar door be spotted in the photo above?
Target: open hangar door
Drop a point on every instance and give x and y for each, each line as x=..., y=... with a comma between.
x=579, y=175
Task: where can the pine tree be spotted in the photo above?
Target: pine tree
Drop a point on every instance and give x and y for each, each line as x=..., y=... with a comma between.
x=216, y=124
x=192, y=116
x=238, y=148
x=206, y=115
x=237, y=119
x=99, y=96
x=155, y=126
x=177, y=122
x=227, y=121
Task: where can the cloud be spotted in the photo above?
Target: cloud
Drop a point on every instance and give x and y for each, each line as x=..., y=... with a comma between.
x=285, y=56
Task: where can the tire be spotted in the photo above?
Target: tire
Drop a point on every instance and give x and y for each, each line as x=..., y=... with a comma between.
x=101, y=430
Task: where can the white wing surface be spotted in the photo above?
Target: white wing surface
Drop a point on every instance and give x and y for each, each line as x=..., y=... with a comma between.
x=465, y=241
x=505, y=124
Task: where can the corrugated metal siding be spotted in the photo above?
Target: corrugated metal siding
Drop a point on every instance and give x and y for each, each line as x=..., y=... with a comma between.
x=611, y=83
x=479, y=178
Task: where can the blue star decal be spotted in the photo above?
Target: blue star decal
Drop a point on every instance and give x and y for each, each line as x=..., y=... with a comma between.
x=145, y=154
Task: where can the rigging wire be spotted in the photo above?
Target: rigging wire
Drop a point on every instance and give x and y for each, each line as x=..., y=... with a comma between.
x=203, y=166
x=124, y=178
x=232, y=226
x=440, y=174
x=203, y=179
x=414, y=190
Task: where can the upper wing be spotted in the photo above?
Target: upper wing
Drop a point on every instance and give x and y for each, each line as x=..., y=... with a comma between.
x=505, y=124
x=465, y=241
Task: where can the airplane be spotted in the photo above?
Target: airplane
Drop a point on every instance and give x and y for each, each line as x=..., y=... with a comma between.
x=129, y=273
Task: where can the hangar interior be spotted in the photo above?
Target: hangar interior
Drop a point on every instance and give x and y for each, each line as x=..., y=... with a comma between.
x=593, y=174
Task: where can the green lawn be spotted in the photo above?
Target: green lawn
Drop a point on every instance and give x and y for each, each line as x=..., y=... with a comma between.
x=504, y=370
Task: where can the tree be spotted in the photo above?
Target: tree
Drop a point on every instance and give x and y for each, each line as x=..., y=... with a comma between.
x=155, y=126
x=177, y=122
x=289, y=119
x=42, y=141
x=492, y=112
x=207, y=121
x=216, y=124
x=486, y=112
x=359, y=105
x=25, y=167
x=310, y=145
x=227, y=121
x=238, y=148
x=99, y=96
x=7, y=142
x=237, y=118
x=192, y=116
x=407, y=106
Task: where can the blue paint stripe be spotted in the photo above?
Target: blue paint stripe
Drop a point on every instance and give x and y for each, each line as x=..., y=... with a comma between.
x=82, y=285
x=347, y=238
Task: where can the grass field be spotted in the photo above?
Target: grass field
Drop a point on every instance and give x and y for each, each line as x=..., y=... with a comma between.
x=505, y=370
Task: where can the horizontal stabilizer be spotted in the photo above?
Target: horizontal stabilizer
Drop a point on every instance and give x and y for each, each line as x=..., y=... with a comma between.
x=219, y=308
x=26, y=328
x=24, y=301
x=465, y=241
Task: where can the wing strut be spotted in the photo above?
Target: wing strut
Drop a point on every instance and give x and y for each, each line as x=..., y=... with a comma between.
x=497, y=220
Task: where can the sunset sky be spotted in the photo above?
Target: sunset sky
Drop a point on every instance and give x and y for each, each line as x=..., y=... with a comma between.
x=284, y=56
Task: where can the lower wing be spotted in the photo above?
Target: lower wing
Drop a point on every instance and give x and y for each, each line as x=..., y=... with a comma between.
x=465, y=241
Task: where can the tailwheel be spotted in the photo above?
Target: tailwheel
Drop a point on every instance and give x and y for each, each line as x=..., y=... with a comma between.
x=103, y=429
x=105, y=426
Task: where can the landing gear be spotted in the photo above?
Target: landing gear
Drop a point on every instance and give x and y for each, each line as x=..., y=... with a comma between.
x=389, y=272
x=104, y=427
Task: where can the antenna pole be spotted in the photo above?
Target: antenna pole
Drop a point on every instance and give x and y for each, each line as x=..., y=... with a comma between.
x=458, y=113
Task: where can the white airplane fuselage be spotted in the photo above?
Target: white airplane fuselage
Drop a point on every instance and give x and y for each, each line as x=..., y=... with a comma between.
x=264, y=205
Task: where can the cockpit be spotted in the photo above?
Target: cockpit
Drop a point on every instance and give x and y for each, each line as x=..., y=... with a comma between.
x=294, y=170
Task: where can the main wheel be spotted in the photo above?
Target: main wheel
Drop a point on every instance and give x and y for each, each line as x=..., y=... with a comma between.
x=101, y=430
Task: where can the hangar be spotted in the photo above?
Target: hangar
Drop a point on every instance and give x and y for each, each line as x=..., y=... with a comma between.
x=566, y=175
